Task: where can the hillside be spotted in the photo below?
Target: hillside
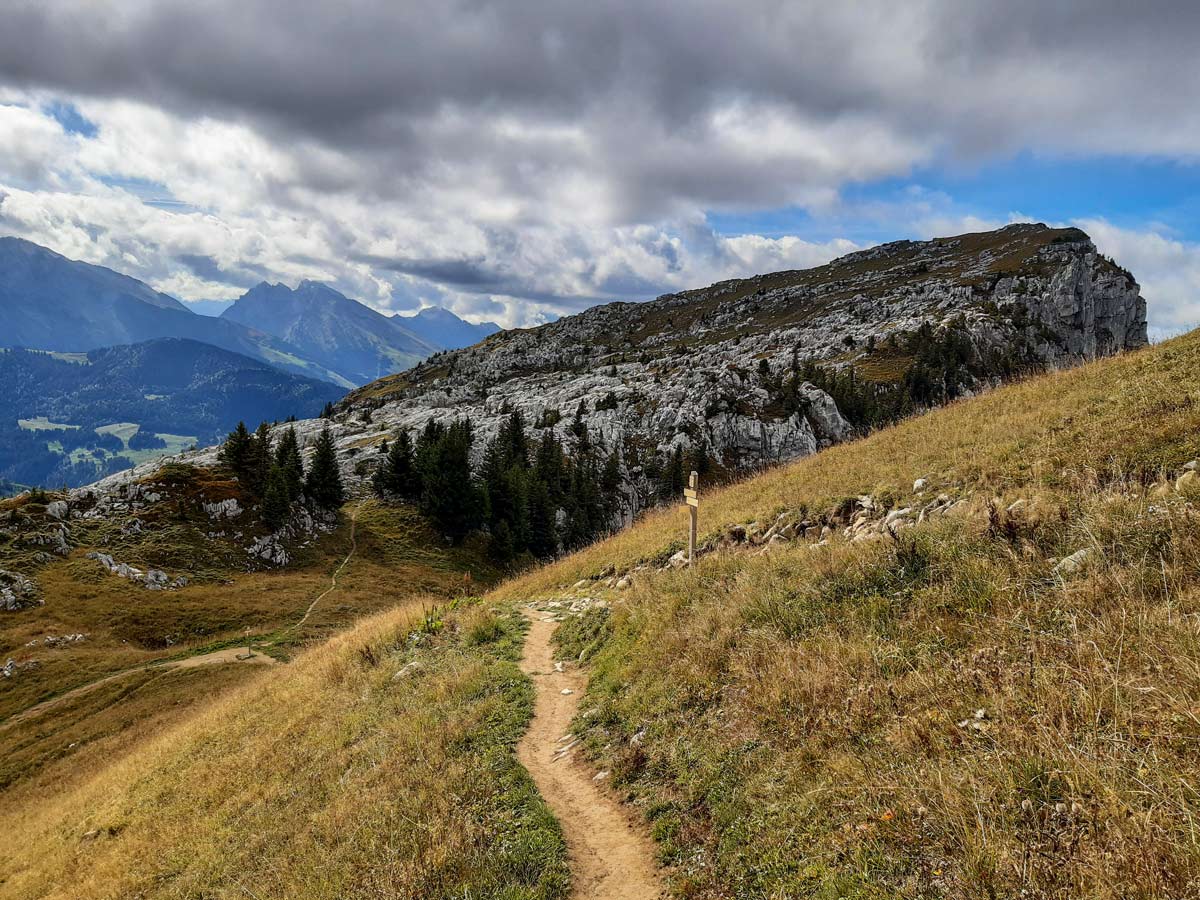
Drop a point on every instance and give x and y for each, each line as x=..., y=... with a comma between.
x=120, y=616
x=739, y=375
x=775, y=367
x=341, y=334
x=950, y=659
x=50, y=302
x=72, y=418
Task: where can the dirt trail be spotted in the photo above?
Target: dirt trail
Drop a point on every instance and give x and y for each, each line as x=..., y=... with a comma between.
x=610, y=858
x=228, y=655
x=333, y=578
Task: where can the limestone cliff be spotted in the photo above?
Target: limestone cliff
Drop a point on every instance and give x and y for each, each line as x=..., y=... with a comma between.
x=706, y=368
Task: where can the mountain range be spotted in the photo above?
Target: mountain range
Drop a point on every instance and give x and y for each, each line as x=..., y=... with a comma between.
x=50, y=302
x=331, y=329
x=444, y=329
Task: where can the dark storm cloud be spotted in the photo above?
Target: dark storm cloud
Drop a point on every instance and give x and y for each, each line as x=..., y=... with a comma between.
x=353, y=65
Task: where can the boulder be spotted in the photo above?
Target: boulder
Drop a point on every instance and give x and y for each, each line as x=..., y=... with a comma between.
x=17, y=591
x=1076, y=562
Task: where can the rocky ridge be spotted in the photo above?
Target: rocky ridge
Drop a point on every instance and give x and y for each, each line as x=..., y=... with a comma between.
x=687, y=370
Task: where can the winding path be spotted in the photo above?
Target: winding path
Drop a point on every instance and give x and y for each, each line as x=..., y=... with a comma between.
x=333, y=578
x=611, y=859
x=216, y=657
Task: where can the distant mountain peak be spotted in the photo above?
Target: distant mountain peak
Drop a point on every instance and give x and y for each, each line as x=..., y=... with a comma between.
x=442, y=327
x=55, y=303
x=341, y=333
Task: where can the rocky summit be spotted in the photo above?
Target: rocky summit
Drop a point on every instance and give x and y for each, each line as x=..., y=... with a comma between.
x=771, y=368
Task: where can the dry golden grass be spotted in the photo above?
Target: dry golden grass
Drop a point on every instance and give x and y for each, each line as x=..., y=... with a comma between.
x=809, y=724
x=344, y=774
x=1135, y=415
x=128, y=627
x=943, y=715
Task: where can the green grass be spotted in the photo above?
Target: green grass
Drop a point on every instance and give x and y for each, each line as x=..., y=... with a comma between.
x=123, y=431
x=41, y=423
x=398, y=561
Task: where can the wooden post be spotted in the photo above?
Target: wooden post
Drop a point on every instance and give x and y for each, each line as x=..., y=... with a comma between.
x=692, y=496
x=249, y=649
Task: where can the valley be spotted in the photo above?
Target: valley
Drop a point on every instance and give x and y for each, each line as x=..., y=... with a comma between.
x=97, y=661
x=72, y=421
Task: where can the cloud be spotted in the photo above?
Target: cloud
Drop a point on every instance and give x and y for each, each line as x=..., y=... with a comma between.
x=527, y=158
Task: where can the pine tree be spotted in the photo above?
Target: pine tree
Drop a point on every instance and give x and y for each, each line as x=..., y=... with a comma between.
x=672, y=480
x=610, y=484
x=579, y=426
x=548, y=467
x=698, y=461
x=449, y=496
x=324, y=483
x=398, y=475
x=502, y=547
x=276, y=507
x=543, y=532
x=236, y=450
x=287, y=457
x=259, y=460
x=584, y=504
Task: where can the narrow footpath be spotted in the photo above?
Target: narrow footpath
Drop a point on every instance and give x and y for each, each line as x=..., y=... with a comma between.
x=235, y=654
x=611, y=858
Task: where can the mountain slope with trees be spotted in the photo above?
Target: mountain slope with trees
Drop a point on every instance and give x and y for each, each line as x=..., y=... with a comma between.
x=53, y=405
x=988, y=693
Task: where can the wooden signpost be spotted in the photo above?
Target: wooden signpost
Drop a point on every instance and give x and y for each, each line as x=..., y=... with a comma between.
x=692, y=497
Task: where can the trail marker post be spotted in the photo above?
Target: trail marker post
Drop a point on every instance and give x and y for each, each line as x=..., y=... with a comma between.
x=691, y=496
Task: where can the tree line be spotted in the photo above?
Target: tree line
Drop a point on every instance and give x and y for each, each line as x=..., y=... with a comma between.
x=940, y=366
x=275, y=474
x=535, y=499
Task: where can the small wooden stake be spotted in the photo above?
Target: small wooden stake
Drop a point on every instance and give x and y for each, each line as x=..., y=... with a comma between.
x=693, y=504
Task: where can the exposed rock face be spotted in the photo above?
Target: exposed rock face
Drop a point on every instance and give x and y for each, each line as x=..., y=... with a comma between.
x=224, y=509
x=152, y=580
x=685, y=370
x=17, y=591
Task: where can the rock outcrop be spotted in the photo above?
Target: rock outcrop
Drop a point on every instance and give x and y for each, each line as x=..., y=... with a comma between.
x=702, y=369
x=17, y=592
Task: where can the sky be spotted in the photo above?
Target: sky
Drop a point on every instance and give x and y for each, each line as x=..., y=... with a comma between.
x=518, y=160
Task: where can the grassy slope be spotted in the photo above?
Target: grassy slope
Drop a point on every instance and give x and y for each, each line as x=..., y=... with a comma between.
x=798, y=713
x=804, y=723
x=397, y=559
x=336, y=776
